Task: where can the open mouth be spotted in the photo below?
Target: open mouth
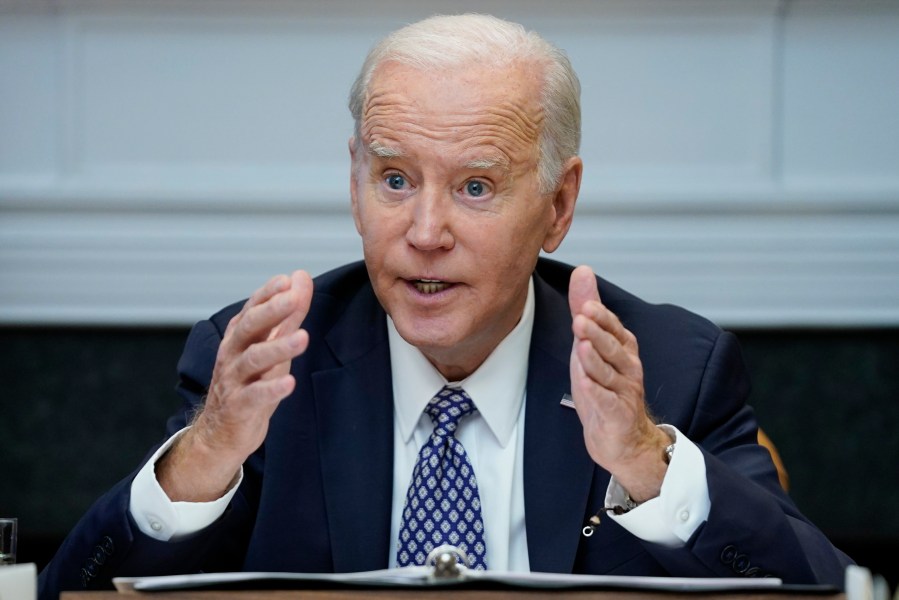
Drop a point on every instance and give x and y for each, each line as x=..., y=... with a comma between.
x=430, y=286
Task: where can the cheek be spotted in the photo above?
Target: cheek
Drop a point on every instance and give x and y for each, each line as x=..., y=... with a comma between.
x=380, y=230
x=519, y=236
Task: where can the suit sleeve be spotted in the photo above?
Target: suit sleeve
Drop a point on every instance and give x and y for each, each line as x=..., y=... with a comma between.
x=753, y=528
x=106, y=542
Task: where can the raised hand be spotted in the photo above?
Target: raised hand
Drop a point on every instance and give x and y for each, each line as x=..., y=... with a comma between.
x=250, y=378
x=607, y=387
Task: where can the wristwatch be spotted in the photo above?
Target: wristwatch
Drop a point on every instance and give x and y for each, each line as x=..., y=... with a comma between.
x=629, y=503
x=669, y=453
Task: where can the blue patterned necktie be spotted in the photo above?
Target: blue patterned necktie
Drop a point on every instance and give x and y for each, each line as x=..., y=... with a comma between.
x=442, y=504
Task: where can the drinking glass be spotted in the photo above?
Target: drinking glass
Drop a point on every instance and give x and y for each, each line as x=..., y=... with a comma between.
x=8, y=527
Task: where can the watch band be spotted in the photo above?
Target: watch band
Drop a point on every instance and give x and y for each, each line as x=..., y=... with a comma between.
x=629, y=503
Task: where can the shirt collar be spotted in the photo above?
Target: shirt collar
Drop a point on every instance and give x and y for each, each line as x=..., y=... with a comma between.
x=497, y=387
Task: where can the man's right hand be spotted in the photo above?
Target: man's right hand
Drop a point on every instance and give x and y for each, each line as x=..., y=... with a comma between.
x=250, y=378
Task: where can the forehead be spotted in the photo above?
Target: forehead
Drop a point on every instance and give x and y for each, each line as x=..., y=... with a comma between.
x=464, y=107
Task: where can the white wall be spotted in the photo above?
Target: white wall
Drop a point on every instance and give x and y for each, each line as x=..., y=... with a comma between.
x=161, y=158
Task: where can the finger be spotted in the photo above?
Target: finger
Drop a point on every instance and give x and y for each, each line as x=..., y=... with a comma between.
x=267, y=391
x=262, y=358
x=608, y=321
x=592, y=400
x=270, y=288
x=301, y=284
x=595, y=367
x=581, y=288
x=623, y=356
x=302, y=287
x=259, y=322
x=581, y=380
x=605, y=394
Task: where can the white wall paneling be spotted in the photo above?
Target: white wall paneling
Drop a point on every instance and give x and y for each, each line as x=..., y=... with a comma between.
x=159, y=159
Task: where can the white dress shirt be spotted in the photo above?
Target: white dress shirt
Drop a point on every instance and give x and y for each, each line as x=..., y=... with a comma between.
x=493, y=439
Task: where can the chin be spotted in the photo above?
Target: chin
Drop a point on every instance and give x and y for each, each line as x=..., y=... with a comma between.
x=430, y=332
x=423, y=334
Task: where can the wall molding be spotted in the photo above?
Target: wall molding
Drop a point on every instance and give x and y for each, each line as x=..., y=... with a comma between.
x=161, y=158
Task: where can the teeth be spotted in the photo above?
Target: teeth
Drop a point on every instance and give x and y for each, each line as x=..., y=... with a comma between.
x=430, y=286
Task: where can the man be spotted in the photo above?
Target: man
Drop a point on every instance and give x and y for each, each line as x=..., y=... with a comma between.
x=307, y=404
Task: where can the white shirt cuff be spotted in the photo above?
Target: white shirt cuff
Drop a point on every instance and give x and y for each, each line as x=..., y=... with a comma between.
x=160, y=518
x=682, y=505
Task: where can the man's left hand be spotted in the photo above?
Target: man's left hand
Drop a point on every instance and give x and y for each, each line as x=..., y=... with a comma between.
x=607, y=387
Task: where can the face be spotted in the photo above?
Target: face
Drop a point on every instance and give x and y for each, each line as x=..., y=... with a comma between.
x=446, y=198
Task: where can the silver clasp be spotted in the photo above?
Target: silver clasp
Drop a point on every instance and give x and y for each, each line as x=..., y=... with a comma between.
x=446, y=561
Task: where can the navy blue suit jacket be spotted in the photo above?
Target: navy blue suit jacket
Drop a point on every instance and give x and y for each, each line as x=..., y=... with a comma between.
x=316, y=496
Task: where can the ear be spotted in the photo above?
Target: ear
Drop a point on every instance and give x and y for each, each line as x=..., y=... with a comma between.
x=564, y=199
x=355, y=169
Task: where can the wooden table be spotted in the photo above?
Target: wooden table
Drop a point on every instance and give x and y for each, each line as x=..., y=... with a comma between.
x=465, y=594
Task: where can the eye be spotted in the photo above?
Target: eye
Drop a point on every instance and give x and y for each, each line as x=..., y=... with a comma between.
x=396, y=181
x=475, y=188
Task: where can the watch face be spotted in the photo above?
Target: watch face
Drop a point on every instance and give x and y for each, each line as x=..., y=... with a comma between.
x=669, y=452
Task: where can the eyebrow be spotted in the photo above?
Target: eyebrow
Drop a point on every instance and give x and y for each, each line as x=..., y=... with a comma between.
x=382, y=151
x=489, y=163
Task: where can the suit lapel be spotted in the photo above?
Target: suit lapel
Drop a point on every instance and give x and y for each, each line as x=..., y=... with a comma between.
x=354, y=414
x=558, y=472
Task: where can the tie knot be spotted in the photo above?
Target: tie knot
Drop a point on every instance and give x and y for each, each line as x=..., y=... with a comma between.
x=447, y=408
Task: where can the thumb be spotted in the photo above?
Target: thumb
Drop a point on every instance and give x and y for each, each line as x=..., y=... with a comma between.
x=581, y=288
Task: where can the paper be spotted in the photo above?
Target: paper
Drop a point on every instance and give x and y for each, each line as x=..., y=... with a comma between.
x=422, y=576
x=18, y=582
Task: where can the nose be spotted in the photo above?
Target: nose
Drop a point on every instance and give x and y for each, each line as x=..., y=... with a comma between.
x=430, y=226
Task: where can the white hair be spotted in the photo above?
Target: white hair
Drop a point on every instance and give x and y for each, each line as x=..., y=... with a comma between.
x=451, y=40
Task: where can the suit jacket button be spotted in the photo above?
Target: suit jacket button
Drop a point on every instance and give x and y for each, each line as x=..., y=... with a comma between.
x=91, y=569
x=99, y=555
x=741, y=563
x=753, y=572
x=728, y=554
x=108, y=546
x=85, y=577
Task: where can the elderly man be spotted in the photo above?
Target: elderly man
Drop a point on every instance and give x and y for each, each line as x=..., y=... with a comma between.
x=454, y=388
